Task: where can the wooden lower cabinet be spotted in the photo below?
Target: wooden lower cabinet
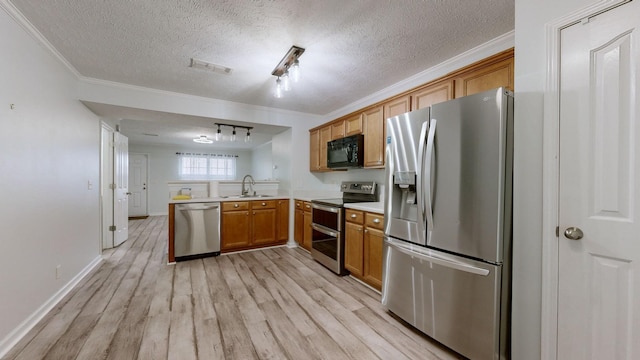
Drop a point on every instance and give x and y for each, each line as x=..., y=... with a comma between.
x=307, y=231
x=302, y=224
x=363, y=246
x=235, y=222
x=251, y=224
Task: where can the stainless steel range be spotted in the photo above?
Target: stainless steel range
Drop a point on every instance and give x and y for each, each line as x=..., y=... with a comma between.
x=327, y=223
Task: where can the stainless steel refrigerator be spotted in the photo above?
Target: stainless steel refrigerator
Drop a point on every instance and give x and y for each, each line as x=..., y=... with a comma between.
x=447, y=250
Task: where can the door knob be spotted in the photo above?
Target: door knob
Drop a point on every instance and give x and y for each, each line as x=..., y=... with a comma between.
x=573, y=233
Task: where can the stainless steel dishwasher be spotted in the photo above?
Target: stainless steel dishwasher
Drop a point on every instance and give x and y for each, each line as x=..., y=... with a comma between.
x=197, y=230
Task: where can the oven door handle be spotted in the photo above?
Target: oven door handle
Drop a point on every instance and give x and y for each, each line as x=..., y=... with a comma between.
x=324, y=230
x=326, y=208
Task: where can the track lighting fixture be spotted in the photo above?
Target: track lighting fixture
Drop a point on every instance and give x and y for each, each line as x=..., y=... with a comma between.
x=284, y=77
x=232, y=137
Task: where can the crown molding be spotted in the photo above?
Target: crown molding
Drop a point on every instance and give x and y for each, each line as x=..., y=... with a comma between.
x=493, y=46
x=27, y=26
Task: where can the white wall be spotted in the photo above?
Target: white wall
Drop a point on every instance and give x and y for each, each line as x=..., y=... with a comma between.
x=262, y=162
x=49, y=146
x=163, y=167
x=530, y=76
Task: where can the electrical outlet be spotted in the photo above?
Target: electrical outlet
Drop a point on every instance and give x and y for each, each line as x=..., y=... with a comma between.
x=58, y=270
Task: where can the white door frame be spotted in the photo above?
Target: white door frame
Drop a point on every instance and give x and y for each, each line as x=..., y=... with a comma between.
x=550, y=171
x=106, y=199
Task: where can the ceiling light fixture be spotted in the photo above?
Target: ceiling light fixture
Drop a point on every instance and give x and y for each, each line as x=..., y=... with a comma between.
x=203, y=139
x=218, y=134
x=232, y=137
x=290, y=60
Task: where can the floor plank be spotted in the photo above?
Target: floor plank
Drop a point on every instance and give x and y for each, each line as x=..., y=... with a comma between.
x=275, y=303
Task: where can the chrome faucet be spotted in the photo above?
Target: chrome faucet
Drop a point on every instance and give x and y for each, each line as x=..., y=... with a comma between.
x=246, y=191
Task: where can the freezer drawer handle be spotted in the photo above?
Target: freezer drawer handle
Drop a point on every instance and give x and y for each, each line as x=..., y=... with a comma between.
x=440, y=261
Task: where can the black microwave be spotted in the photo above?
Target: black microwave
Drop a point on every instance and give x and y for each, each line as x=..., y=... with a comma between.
x=346, y=152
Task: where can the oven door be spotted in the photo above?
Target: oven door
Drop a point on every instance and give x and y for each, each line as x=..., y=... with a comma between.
x=327, y=248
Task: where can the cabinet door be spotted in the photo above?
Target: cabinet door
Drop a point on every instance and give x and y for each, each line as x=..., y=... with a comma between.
x=314, y=150
x=337, y=130
x=485, y=78
x=372, y=273
x=397, y=107
x=325, y=137
x=283, y=221
x=235, y=230
x=306, y=240
x=353, y=248
x=353, y=125
x=373, y=137
x=264, y=226
x=298, y=231
x=432, y=94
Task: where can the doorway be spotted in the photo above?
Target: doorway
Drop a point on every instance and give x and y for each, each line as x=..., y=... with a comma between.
x=596, y=253
x=138, y=185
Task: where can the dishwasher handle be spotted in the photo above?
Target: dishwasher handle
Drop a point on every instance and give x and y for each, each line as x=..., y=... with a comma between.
x=197, y=208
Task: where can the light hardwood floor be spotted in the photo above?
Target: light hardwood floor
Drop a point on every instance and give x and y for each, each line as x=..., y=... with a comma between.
x=267, y=304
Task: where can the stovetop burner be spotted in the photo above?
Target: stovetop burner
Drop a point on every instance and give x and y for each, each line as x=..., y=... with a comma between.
x=353, y=192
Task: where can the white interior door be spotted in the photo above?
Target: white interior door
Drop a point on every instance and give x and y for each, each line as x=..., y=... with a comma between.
x=106, y=193
x=138, y=185
x=599, y=190
x=121, y=180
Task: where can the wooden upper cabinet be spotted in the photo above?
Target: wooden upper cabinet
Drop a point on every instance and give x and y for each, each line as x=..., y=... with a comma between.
x=485, y=77
x=397, y=107
x=314, y=150
x=353, y=125
x=373, y=124
x=337, y=130
x=325, y=137
x=318, y=139
x=432, y=94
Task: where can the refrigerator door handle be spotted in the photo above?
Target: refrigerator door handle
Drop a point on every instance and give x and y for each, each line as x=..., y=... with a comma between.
x=426, y=179
x=420, y=186
x=430, y=257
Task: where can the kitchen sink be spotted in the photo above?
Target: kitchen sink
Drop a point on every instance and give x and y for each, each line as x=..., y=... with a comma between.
x=245, y=196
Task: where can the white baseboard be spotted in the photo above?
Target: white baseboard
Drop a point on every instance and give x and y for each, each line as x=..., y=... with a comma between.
x=19, y=332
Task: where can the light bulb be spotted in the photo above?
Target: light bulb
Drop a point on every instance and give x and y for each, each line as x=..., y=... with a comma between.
x=278, y=93
x=233, y=135
x=248, y=137
x=286, y=84
x=218, y=136
x=295, y=71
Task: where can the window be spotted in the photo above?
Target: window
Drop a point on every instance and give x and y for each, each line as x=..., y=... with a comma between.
x=193, y=166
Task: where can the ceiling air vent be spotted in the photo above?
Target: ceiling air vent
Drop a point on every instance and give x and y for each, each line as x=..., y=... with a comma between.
x=200, y=64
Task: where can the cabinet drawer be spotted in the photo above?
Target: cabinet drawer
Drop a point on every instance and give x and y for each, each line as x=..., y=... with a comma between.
x=307, y=206
x=354, y=216
x=299, y=204
x=375, y=221
x=235, y=205
x=263, y=204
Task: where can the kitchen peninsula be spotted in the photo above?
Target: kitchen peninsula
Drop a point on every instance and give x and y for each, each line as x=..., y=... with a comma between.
x=259, y=218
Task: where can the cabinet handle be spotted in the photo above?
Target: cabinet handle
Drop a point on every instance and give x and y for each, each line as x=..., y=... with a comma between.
x=264, y=204
x=235, y=205
x=366, y=230
x=353, y=216
x=376, y=221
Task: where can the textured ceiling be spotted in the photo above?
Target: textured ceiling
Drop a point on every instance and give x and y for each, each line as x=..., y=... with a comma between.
x=353, y=48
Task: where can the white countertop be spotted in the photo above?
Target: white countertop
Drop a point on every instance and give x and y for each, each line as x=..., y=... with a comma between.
x=230, y=198
x=376, y=207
